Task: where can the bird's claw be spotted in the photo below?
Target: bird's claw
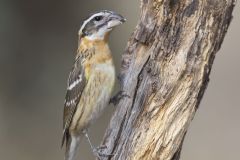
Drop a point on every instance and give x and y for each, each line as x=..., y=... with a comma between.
x=101, y=147
x=98, y=153
x=115, y=99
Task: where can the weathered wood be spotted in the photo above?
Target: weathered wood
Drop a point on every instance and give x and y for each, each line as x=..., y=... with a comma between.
x=165, y=70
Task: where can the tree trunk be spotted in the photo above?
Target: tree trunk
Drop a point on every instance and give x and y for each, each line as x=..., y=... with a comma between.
x=165, y=71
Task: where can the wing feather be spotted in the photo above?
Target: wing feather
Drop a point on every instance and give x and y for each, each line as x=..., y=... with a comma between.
x=76, y=85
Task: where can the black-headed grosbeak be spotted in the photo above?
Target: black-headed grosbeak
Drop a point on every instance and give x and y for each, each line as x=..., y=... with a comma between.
x=91, y=80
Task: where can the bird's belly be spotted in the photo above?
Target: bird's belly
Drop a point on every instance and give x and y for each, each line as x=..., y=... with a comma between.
x=95, y=97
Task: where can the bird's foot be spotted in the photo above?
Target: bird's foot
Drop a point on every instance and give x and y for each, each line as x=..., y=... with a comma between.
x=116, y=98
x=99, y=153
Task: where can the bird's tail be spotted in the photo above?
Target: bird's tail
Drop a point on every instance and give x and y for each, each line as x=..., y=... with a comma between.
x=72, y=146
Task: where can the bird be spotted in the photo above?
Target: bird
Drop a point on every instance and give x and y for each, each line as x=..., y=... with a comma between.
x=90, y=81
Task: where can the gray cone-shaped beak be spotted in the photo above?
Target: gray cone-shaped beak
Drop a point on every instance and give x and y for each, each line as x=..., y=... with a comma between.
x=118, y=17
x=115, y=20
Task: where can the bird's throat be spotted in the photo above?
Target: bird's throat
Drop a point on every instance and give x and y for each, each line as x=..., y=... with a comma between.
x=94, y=50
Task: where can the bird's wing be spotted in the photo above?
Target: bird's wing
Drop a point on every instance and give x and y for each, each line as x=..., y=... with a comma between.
x=76, y=84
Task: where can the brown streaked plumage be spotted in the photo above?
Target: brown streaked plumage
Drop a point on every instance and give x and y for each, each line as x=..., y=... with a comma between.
x=91, y=80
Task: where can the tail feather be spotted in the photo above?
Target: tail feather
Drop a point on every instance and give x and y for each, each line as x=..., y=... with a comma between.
x=64, y=137
x=72, y=146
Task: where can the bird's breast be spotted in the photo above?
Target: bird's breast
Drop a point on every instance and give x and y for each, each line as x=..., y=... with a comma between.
x=95, y=96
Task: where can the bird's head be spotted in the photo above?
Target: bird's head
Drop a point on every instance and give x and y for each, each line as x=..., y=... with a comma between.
x=98, y=25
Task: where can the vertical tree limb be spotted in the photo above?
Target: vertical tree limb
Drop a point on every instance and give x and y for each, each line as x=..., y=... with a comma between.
x=165, y=70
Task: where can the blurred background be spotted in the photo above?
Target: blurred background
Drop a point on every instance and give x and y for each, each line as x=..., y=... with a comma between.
x=38, y=41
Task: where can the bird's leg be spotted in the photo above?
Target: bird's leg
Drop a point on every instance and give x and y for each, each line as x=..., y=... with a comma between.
x=96, y=150
x=116, y=98
x=89, y=141
x=121, y=94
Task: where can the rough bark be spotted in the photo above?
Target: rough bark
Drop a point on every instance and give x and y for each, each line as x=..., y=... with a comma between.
x=165, y=71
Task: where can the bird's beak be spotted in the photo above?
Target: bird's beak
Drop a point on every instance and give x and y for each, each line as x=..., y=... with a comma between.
x=115, y=20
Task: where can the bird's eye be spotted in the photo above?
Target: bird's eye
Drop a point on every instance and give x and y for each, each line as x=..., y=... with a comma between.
x=98, y=18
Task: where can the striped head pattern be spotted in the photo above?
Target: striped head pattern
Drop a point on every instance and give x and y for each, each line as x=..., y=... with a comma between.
x=97, y=25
